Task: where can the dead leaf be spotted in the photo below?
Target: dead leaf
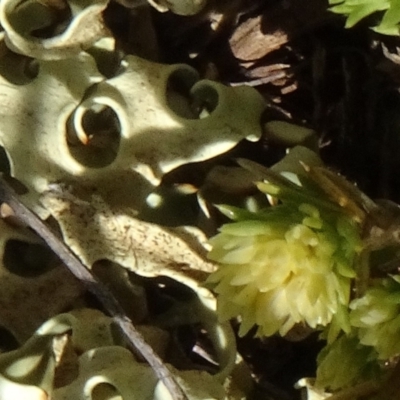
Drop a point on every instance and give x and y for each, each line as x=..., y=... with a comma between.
x=95, y=232
x=258, y=36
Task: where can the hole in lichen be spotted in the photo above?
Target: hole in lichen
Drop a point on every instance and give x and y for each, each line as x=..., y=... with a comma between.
x=39, y=19
x=164, y=292
x=195, y=342
x=178, y=94
x=8, y=342
x=205, y=99
x=105, y=391
x=93, y=135
x=188, y=334
x=18, y=69
x=4, y=161
x=108, y=62
x=28, y=260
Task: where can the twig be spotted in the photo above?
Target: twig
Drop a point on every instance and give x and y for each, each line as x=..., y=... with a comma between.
x=135, y=339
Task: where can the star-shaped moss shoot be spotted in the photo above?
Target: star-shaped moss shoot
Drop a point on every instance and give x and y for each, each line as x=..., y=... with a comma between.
x=377, y=317
x=291, y=263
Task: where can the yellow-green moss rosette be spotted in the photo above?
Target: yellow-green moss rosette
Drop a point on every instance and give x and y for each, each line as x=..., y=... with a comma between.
x=373, y=345
x=289, y=264
x=377, y=317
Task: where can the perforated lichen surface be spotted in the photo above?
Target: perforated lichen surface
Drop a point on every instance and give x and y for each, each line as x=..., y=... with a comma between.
x=90, y=132
x=70, y=123
x=80, y=351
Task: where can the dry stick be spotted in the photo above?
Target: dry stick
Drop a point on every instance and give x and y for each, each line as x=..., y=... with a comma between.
x=135, y=339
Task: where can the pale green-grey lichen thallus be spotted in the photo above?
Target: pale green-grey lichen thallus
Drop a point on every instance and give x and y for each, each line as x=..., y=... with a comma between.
x=21, y=21
x=153, y=138
x=20, y=315
x=160, y=139
x=102, y=364
x=33, y=121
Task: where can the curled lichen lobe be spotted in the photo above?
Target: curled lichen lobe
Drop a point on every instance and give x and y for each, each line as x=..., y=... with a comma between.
x=291, y=263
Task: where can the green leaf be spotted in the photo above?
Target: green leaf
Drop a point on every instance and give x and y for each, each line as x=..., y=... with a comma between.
x=390, y=21
x=356, y=10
